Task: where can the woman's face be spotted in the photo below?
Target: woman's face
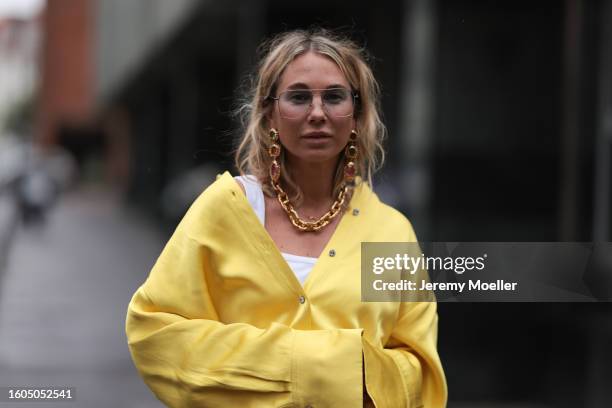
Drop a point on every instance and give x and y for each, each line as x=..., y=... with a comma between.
x=318, y=134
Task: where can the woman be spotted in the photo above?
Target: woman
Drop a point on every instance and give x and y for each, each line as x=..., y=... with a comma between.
x=255, y=300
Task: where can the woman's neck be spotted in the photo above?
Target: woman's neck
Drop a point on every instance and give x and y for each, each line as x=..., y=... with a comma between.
x=316, y=180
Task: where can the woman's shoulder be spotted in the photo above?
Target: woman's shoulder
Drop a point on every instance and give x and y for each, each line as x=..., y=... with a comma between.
x=214, y=203
x=387, y=221
x=221, y=190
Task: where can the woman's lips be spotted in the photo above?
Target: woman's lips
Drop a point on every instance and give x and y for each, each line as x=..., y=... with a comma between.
x=316, y=135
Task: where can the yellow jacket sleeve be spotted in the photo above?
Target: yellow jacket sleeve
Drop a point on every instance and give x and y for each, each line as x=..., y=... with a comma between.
x=190, y=358
x=407, y=372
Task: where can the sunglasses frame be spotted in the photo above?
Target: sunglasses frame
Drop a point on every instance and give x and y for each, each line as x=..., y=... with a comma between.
x=355, y=96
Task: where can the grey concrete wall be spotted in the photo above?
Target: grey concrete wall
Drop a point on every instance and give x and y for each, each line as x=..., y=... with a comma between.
x=127, y=32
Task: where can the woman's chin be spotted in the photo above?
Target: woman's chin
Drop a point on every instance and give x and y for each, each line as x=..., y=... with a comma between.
x=318, y=156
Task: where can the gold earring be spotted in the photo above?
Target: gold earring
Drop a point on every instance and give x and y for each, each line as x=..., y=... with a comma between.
x=351, y=152
x=274, y=150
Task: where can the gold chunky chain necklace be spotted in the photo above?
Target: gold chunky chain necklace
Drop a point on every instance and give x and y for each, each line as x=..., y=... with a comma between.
x=309, y=226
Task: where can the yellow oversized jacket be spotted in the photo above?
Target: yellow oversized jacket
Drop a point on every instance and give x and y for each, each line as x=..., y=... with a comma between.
x=222, y=321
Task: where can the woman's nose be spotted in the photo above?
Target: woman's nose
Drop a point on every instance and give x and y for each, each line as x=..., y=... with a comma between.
x=317, y=108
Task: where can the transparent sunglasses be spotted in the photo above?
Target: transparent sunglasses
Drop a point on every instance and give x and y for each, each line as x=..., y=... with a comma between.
x=297, y=103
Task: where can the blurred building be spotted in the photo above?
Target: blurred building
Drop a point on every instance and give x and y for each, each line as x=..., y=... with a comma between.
x=19, y=48
x=66, y=104
x=499, y=117
x=481, y=115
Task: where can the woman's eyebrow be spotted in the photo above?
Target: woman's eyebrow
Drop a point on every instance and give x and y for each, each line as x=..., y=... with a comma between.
x=336, y=86
x=298, y=85
x=301, y=85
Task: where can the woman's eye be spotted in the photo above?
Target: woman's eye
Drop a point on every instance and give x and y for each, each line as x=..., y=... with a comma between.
x=334, y=97
x=299, y=97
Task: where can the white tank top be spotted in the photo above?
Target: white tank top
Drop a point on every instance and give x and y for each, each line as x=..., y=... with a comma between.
x=300, y=265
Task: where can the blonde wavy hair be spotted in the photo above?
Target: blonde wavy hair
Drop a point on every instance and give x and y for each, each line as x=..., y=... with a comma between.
x=252, y=157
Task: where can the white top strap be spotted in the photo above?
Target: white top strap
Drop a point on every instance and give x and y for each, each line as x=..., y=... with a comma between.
x=254, y=195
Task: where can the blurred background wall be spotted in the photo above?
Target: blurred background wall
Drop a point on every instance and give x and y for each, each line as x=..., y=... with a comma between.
x=500, y=124
x=496, y=111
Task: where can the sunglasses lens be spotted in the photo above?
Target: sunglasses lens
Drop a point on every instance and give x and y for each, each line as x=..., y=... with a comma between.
x=337, y=102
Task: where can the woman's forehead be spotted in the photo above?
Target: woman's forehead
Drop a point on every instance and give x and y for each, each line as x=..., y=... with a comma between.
x=316, y=71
